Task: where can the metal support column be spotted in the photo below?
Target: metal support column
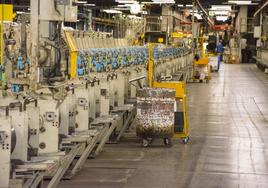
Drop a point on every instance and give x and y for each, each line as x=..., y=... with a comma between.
x=35, y=44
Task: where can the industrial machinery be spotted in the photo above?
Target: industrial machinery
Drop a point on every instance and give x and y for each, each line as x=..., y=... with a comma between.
x=79, y=98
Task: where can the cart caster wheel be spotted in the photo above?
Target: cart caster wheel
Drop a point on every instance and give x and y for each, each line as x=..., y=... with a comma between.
x=185, y=140
x=145, y=142
x=167, y=142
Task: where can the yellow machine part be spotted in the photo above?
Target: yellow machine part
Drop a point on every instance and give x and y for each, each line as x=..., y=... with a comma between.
x=160, y=40
x=6, y=12
x=202, y=61
x=180, y=35
x=73, y=54
x=178, y=86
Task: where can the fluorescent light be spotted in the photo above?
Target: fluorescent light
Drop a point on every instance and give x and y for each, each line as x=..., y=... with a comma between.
x=90, y=5
x=135, y=8
x=125, y=5
x=111, y=11
x=20, y=12
x=189, y=5
x=241, y=2
x=81, y=2
x=126, y=1
x=180, y=5
x=221, y=18
x=147, y=2
x=221, y=7
x=164, y=1
x=160, y=2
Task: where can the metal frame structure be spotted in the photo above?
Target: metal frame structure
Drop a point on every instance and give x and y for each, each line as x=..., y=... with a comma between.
x=180, y=94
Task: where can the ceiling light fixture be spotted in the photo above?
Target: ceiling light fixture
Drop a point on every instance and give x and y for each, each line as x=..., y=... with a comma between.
x=90, y=5
x=164, y=1
x=241, y=2
x=81, y=2
x=222, y=18
x=125, y=5
x=126, y=1
x=111, y=11
x=221, y=7
x=135, y=8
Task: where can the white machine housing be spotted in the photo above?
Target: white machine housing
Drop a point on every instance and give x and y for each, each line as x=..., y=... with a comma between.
x=58, y=10
x=20, y=123
x=5, y=150
x=68, y=109
x=49, y=127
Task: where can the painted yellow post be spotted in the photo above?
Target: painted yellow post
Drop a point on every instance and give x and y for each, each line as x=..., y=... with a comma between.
x=2, y=36
x=6, y=14
x=150, y=65
x=73, y=54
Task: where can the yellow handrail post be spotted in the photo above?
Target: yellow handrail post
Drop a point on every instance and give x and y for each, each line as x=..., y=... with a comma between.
x=150, y=65
x=73, y=54
x=6, y=14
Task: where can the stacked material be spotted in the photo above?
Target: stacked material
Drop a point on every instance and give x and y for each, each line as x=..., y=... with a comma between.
x=155, y=112
x=213, y=62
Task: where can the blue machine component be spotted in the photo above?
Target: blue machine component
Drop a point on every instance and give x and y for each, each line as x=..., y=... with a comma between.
x=99, y=67
x=20, y=64
x=124, y=60
x=115, y=63
x=2, y=69
x=80, y=67
x=28, y=62
x=15, y=88
x=103, y=59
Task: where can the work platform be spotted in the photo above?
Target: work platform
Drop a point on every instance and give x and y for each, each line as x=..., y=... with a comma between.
x=228, y=146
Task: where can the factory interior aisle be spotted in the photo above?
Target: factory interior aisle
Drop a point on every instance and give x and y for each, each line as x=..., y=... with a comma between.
x=228, y=147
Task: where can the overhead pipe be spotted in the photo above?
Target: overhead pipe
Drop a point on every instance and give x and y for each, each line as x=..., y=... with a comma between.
x=260, y=9
x=205, y=12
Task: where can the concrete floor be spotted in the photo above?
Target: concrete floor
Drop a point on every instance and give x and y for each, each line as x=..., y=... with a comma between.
x=228, y=147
